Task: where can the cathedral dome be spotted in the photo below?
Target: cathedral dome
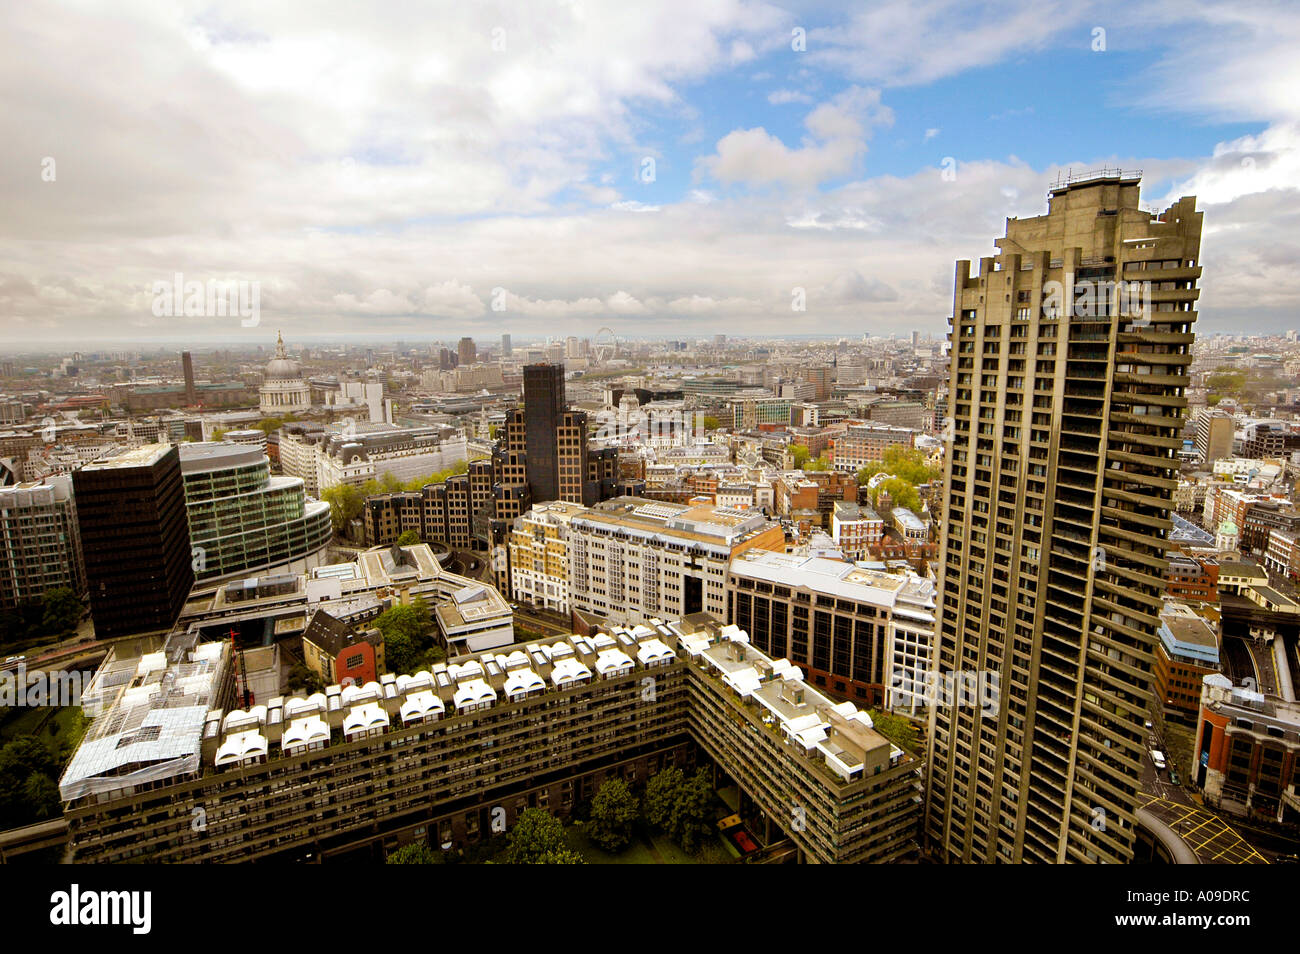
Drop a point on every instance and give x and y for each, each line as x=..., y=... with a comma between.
x=282, y=367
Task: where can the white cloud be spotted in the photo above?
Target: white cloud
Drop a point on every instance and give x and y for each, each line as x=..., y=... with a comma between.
x=779, y=97
x=900, y=42
x=839, y=131
x=215, y=148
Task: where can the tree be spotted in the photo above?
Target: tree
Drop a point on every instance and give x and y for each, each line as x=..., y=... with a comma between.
x=409, y=538
x=661, y=795
x=799, y=454
x=438, y=477
x=407, y=635
x=219, y=433
x=28, y=791
x=1226, y=381
x=42, y=796
x=538, y=839
x=821, y=463
x=413, y=620
x=416, y=853
x=711, y=423
x=681, y=807
x=25, y=755
x=869, y=470
x=908, y=463
x=302, y=678
x=61, y=611
x=400, y=653
x=692, y=820
x=900, y=492
x=346, y=502
x=614, y=811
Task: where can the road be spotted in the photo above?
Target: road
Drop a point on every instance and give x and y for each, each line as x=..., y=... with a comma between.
x=472, y=565
x=61, y=653
x=1158, y=782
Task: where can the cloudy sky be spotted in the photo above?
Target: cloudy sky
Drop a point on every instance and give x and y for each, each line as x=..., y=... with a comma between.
x=667, y=168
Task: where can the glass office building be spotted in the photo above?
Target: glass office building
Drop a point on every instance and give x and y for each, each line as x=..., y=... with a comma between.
x=242, y=519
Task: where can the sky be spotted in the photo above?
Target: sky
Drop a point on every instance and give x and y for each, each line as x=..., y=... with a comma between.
x=672, y=168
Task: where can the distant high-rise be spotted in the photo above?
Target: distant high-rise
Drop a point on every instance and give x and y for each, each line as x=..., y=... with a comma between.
x=40, y=548
x=506, y=350
x=135, y=539
x=466, y=352
x=187, y=364
x=822, y=380
x=543, y=407
x=1066, y=394
x=1214, y=434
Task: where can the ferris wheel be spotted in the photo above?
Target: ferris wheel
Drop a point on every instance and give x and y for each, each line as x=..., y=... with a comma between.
x=605, y=345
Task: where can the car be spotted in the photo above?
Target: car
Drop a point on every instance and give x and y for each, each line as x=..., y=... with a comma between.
x=14, y=659
x=1173, y=777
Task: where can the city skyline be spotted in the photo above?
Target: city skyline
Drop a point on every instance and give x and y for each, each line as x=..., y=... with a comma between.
x=727, y=432
x=744, y=165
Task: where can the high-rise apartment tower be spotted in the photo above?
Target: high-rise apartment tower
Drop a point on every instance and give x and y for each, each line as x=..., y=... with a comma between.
x=466, y=352
x=1067, y=395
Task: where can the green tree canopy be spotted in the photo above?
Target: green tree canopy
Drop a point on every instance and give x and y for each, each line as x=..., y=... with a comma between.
x=800, y=454
x=61, y=611
x=1226, y=381
x=416, y=853
x=900, y=492
x=614, y=811
x=28, y=791
x=681, y=807
x=42, y=796
x=268, y=424
x=407, y=634
x=821, y=463
x=24, y=755
x=661, y=795
x=538, y=839
x=409, y=538
x=346, y=502
x=909, y=463
x=438, y=477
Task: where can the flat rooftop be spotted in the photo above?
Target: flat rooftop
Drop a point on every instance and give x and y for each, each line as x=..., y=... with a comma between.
x=146, y=456
x=218, y=455
x=705, y=523
x=833, y=577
